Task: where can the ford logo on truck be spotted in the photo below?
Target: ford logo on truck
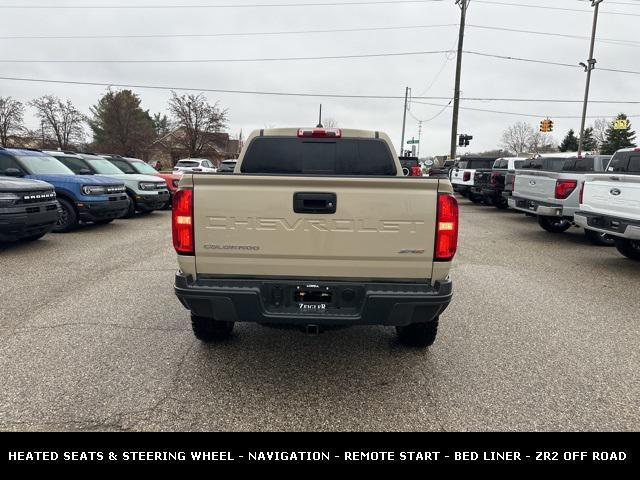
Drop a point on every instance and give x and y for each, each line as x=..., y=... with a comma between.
x=615, y=191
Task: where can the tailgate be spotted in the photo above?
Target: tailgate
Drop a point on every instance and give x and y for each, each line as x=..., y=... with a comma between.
x=618, y=195
x=383, y=228
x=535, y=186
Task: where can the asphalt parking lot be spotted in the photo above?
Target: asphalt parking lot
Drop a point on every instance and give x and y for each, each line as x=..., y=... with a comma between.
x=543, y=334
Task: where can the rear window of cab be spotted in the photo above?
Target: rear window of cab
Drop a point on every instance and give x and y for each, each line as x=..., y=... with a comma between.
x=314, y=156
x=625, y=162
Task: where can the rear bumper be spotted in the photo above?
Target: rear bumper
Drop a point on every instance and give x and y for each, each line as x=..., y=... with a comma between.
x=152, y=201
x=96, y=211
x=543, y=209
x=491, y=192
x=619, y=227
x=272, y=301
x=21, y=222
x=461, y=188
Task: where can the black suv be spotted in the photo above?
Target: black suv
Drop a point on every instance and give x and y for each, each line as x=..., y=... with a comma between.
x=28, y=209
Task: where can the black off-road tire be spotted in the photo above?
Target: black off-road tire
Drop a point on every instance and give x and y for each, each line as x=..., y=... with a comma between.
x=131, y=209
x=628, y=248
x=554, y=224
x=210, y=330
x=420, y=335
x=67, y=217
x=599, y=239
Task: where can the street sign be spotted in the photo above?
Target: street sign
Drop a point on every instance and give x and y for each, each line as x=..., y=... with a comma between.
x=413, y=142
x=621, y=124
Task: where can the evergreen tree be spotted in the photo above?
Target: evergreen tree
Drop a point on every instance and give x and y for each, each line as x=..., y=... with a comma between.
x=120, y=125
x=617, y=139
x=570, y=142
x=589, y=143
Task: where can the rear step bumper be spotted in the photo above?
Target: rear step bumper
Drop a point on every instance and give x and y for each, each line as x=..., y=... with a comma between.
x=537, y=207
x=620, y=227
x=334, y=302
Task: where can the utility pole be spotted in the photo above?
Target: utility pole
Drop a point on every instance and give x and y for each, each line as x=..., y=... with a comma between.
x=463, y=4
x=419, y=136
x=591, y=64
x=320, y=118
x=404, y=119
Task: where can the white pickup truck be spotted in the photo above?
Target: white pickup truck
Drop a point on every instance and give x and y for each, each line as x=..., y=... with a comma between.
x=549, y=187
x=463, y=172
x=610, y=202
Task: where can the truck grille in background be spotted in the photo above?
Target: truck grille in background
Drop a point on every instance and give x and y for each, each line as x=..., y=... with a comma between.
x=36, y=197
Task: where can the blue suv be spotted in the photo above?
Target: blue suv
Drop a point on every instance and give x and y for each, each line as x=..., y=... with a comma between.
x=92, y=198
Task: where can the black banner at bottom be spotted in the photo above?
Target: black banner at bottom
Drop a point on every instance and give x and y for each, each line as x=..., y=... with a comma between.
x=170, y=449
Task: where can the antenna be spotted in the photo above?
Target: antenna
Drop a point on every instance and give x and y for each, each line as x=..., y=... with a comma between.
x=320, y=118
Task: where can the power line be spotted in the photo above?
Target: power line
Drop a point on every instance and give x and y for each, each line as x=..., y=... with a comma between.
x=235, y=60
x=544, y=7
x=325, y=57
x=225, y=34
x=299, y=94
x=229, y=5
x=615, y=41
x=531, y=115
x=546, y=62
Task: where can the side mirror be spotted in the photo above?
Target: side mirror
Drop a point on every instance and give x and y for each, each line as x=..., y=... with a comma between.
x=13, y=172
x=85, y=171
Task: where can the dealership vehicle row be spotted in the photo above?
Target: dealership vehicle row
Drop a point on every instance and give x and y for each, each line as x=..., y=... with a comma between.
x=597, y=192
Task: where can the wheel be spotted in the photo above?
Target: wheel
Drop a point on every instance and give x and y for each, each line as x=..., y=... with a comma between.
x=210, y=330
x=33, y=238
x=103, y=222
x=488, y=200
x=554, y=224
x=418, y=334
x=599, y=239
x=628, y=248
x=475, y=198
x=67, y=217
x=131, y=209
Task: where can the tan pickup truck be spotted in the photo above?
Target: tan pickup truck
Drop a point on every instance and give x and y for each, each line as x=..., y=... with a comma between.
x=317, y=228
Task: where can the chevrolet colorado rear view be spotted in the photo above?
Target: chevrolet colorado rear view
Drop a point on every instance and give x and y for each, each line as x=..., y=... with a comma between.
x=316, y=228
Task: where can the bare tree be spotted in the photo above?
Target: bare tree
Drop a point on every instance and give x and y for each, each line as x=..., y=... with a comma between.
x=599, y=133
x=330, y=122
x=11, y=119
x=198, y=118
x=542, y=143
x=517, y=137
x=60, y=120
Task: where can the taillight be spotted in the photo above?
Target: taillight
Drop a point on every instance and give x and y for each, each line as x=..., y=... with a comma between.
x=446, y=228
x=182, y=222
x=564, y=188
x=581, y=193
x=416, y=172
x=466, y=176
x=320, y=132
x=494, y=178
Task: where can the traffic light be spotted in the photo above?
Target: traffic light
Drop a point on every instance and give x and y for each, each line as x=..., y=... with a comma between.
x=463, y=140
x=546, y=125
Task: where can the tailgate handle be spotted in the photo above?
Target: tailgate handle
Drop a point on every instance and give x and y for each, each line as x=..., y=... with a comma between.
x=314, y=202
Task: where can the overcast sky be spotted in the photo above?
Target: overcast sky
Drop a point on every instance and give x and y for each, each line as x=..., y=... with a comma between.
x=482, y=77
